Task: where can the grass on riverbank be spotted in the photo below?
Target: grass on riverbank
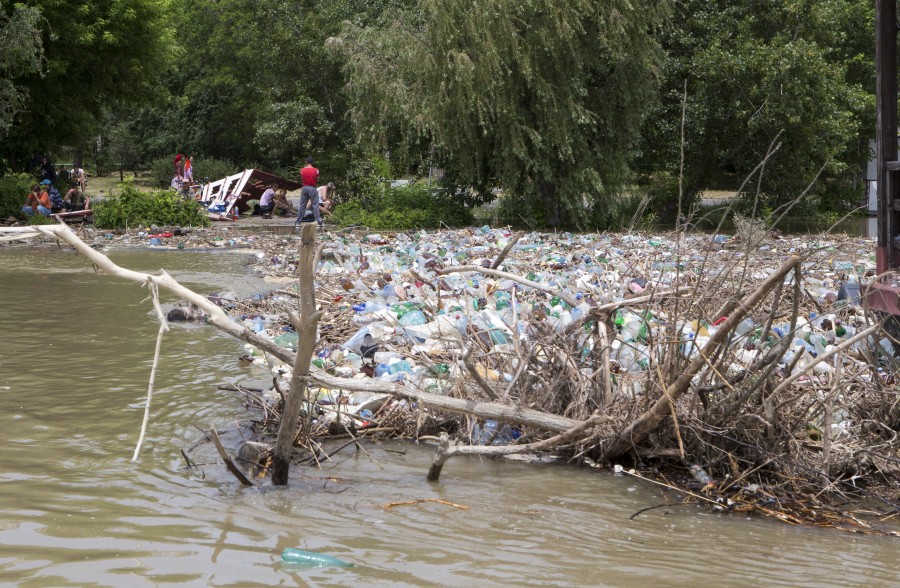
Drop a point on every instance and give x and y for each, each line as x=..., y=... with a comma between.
x=108, y=184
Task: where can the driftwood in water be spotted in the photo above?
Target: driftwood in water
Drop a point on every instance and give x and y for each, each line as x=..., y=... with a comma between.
x=305, y=326
x=446, y=451
x=229, y=461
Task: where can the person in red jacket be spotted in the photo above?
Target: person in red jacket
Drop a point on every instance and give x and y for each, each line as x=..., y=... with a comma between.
x=309, y=194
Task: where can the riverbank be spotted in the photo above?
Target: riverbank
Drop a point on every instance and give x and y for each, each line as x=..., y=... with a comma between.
x=759, y=425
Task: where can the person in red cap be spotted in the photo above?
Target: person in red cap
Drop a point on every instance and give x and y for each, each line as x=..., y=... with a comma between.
x=309, y=194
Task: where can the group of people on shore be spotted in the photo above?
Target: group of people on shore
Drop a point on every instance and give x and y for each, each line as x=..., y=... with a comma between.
x=46, y=199
x=183, y=177
x=315, y=201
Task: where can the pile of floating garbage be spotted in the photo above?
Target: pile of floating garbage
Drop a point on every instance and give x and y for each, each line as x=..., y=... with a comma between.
x=577, y=325
x=749, y=376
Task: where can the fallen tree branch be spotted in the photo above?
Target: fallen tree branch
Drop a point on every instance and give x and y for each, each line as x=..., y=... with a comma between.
x=512, y=242
x=508, y=276
x=391, y=505
x=163, y=328
x=445, y=451
x=491, y=410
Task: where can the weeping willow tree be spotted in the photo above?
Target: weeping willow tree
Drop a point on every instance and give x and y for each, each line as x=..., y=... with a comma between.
x=21, y=51
x=543, y=98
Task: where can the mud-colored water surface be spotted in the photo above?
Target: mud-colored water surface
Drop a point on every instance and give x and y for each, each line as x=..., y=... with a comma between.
x=75, y=354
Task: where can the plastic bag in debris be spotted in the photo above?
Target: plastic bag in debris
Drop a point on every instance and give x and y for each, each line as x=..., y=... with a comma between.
x=494, y=434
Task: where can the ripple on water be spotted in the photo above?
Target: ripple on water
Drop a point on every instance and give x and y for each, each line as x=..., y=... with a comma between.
x=77, y=512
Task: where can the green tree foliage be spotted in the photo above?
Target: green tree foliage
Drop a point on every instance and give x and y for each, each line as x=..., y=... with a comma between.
x=133, y=207
x=756, y=68
x=413, y=206
x=21, y=50
x=252, y=82
x=543, y=98
x=14, y=191
x=98, y=54
x=162, y=170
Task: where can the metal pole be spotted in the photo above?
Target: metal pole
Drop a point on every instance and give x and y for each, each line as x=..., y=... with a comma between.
x=886, y=122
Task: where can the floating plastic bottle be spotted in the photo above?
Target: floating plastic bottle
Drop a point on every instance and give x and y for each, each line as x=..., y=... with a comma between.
x=400, y=366
x=413, y=318
x=288, y=340
x=503, y=299
x=311, y=559
x=374, y=306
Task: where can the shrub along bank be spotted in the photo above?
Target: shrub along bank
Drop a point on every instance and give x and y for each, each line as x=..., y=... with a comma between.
x=133, y=207
x=414, y=206
x=14, y=191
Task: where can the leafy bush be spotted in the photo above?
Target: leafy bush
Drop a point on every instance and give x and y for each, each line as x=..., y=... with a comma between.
x=132, y=207
x=362, y=183
x=214, y=169
x=40, y=219
x=161, y=172
x=412, y=206
x=14, y=191
x=163, y=168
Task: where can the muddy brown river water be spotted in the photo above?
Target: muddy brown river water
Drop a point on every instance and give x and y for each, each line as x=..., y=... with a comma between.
x=75, y=354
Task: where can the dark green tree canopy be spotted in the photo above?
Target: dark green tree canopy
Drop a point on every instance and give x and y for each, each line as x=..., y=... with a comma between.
x=542, y=98
x=754, y=69
x=21, y=51
x=97, y=54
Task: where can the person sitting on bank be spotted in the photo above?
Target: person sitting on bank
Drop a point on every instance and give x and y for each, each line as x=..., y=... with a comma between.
x=38, y=201
x=283, y=206
x=79, y=178
x=56, y=199
x=267, y=202
x=309, y=216
x=326, y=195
x=74, y=199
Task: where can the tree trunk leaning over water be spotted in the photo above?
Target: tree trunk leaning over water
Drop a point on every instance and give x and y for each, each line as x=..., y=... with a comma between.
x=305, y=325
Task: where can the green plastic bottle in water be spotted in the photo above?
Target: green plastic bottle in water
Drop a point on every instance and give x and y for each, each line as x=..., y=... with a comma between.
x=310, y=558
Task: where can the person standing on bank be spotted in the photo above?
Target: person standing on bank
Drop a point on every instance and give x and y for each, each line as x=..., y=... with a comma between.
x=308, y=194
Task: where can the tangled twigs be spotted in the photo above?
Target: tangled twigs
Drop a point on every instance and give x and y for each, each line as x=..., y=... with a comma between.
x=647, y=422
